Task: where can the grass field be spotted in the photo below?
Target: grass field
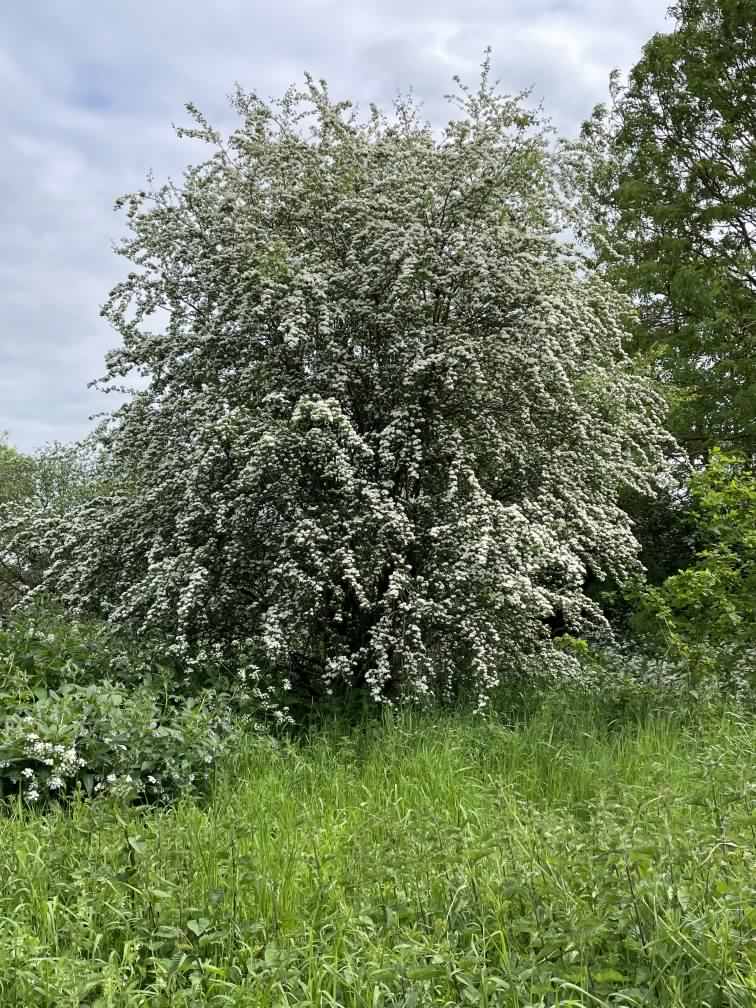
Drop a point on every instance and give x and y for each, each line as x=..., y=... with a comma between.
x=421, y=861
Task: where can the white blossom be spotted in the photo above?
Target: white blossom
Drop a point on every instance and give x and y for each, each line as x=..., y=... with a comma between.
x=383, y=433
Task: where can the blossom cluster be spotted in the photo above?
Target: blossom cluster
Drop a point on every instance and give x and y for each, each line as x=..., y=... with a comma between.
x=45, y=765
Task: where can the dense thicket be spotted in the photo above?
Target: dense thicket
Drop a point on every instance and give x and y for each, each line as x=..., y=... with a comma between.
x=706, y=612
x=386, y=422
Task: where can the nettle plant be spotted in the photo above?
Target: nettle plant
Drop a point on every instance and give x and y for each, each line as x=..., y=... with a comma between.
x=386, y=414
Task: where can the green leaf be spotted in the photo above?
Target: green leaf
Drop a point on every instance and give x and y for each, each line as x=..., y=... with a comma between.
x=429, y=972
x=198, y=927
x=608, y=976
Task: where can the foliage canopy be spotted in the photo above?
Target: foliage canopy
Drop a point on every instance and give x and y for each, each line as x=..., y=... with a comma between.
x=668, y=179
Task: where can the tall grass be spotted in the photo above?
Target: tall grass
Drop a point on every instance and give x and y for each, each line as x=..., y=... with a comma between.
x=420, y=861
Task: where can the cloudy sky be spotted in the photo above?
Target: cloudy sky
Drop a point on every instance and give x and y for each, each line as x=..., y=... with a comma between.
x=88, y=93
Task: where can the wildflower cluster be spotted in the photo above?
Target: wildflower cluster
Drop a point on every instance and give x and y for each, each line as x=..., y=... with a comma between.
x=59, y=762
x=384, y=429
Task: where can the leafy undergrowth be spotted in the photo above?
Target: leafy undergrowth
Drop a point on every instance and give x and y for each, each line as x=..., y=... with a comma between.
x=428, y=861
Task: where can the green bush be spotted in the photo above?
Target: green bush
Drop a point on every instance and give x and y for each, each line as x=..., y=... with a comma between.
x=51, y=649
x=705, y=615
x=106, y=739
x=83, y=707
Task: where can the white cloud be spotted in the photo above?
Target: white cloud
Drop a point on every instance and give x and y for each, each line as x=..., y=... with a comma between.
x=90, y=92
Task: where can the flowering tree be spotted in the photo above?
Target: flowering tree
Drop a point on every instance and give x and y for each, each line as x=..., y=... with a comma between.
x=35, y=492
x=385, y=415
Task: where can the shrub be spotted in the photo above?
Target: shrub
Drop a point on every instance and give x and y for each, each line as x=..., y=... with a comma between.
x=35, y=492
x=52, y=649
x=107, y=740
x=84, y=706
x=705, y=614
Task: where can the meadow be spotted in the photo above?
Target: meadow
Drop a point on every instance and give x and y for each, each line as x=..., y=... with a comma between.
x=559, y=856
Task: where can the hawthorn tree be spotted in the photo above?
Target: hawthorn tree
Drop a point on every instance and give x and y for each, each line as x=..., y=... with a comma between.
x=36, y=493
x=386, y=415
